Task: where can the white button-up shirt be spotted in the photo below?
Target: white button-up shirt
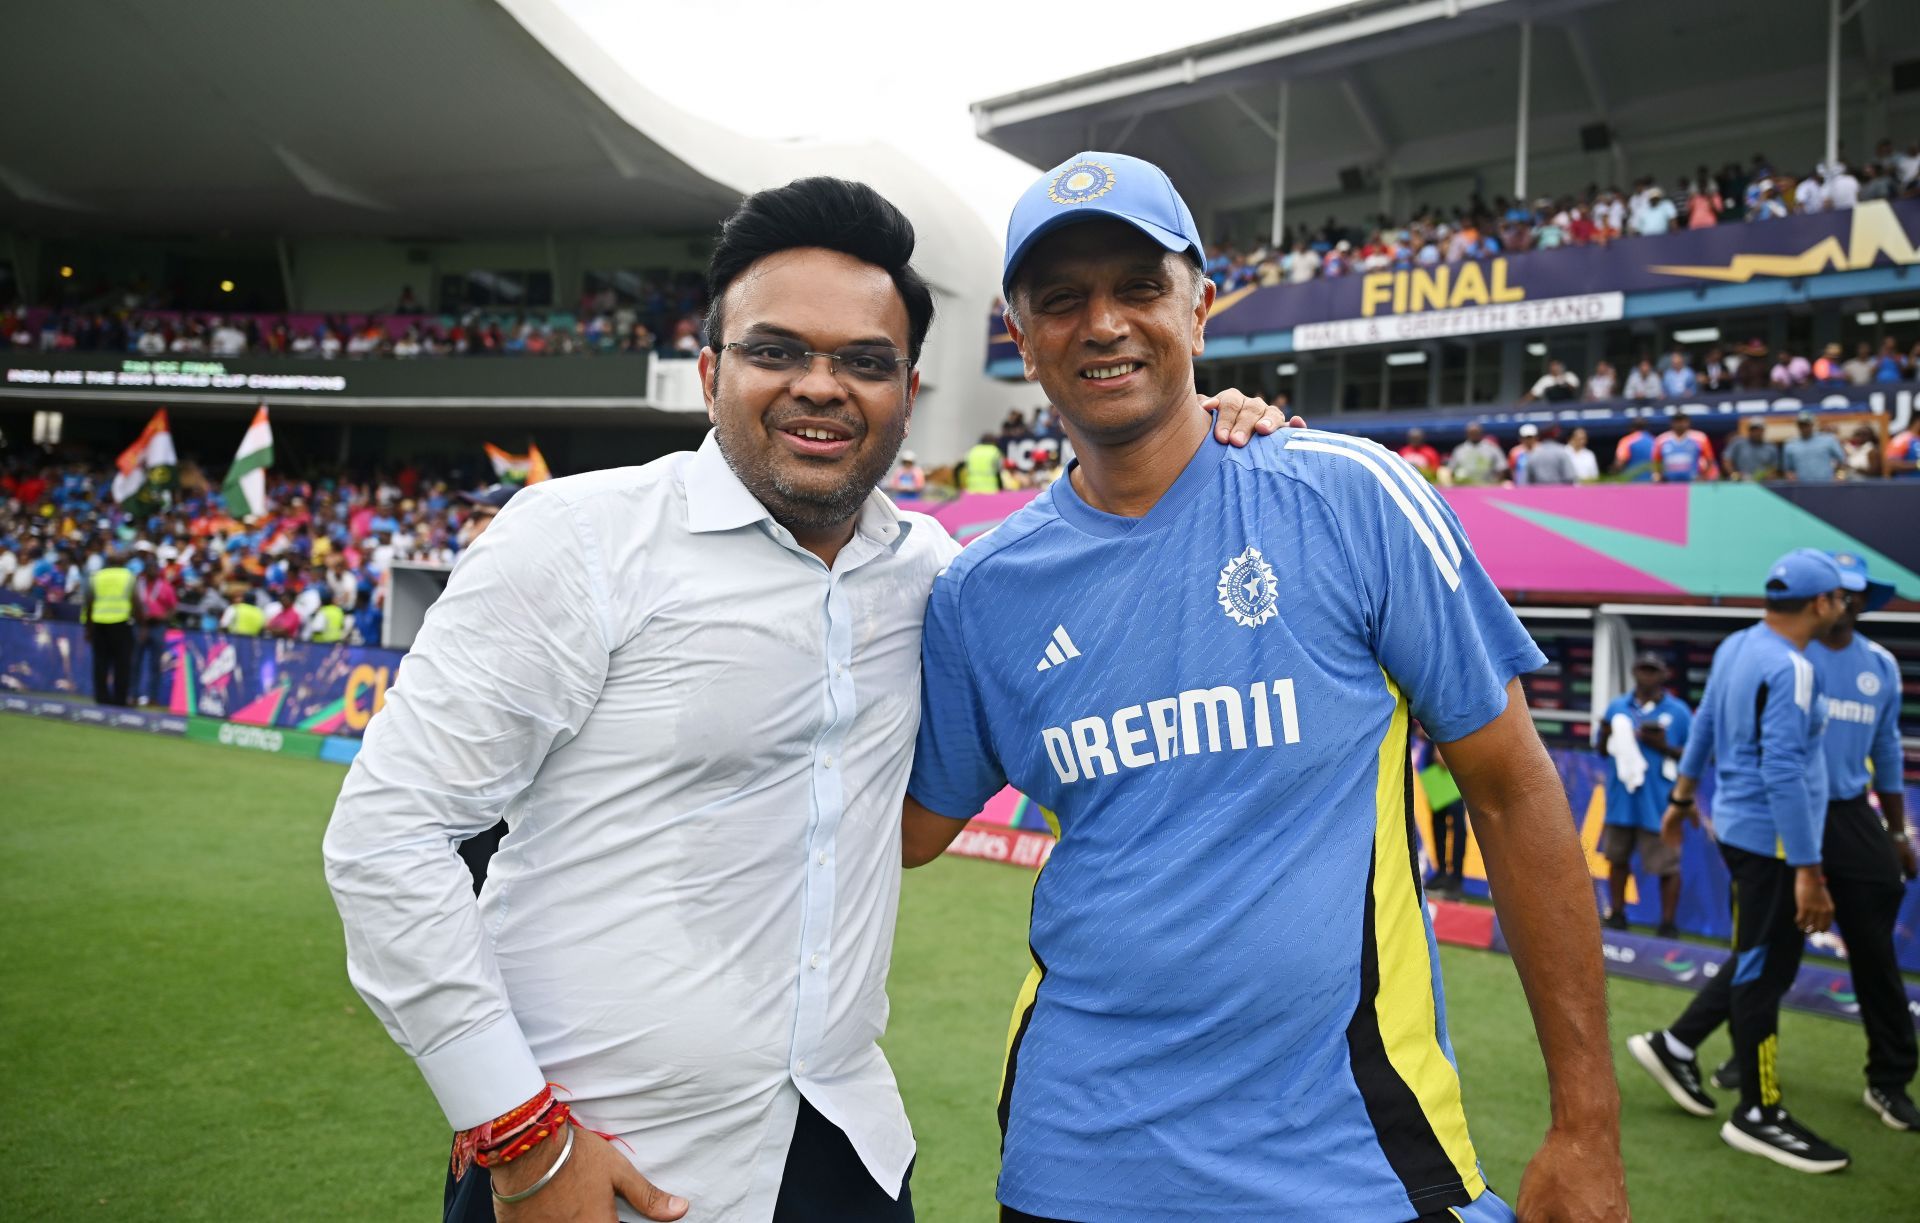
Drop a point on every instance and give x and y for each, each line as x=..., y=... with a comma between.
x=699, y=736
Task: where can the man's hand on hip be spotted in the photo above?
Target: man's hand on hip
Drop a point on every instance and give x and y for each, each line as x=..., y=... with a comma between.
x=1575, y=1178
x=584, y=1190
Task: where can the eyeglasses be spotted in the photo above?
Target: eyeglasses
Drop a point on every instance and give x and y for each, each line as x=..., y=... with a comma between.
x=865, y=363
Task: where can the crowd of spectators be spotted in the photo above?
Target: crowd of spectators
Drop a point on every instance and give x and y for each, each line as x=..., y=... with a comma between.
x=1758, y=191
x=1745, y=367
x=664, y=319
x=1671, y=451
x=327, y=540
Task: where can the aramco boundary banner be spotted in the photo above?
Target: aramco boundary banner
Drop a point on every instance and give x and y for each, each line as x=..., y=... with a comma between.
x=251, y=681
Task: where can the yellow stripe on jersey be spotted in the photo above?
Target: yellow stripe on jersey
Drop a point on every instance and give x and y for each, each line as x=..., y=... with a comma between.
x=1408, y=1018
x=1023, y=1001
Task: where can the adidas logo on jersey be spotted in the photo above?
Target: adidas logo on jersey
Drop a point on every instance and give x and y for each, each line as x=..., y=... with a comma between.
x=1059, y=649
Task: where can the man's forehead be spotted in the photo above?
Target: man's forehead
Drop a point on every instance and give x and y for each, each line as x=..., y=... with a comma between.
x=824, y=296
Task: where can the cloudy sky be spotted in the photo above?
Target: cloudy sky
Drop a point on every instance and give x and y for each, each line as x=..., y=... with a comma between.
x=899, y=73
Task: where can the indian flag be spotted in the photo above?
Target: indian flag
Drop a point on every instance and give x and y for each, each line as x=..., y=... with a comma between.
x=151, y=457
x=245, y=491
x=511, y=468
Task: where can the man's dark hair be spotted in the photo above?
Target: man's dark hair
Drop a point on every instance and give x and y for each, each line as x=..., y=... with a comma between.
x=831, y=213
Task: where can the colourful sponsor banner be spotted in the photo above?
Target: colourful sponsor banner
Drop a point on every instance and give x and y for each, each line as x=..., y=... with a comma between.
x=1632, y=540
x=1567, y=285
x=254, y=681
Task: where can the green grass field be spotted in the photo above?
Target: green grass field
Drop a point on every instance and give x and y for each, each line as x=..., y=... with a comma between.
x=179, y=1040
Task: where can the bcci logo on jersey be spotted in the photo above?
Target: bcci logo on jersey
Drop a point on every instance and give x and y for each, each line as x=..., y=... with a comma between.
x=1248, y=590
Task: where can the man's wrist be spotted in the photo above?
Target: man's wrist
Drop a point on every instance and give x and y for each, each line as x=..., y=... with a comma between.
x=515, y=1175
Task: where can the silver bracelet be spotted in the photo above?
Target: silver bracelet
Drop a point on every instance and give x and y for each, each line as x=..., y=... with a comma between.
x=546, y=1177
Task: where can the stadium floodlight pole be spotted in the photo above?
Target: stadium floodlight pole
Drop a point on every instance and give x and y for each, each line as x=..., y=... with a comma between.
x=1833, y=83
x=1520, y=132
x=1280, y=169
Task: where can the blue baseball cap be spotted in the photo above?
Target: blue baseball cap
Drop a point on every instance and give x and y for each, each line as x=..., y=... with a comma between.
x=1802, y=574
x=1090, y=186
x=1853, y=576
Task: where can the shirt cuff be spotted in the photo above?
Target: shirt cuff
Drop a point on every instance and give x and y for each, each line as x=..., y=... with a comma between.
x=483, y=1074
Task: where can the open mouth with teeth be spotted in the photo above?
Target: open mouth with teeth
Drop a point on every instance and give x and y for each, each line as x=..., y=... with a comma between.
x=816, y=440
x=1110, y=373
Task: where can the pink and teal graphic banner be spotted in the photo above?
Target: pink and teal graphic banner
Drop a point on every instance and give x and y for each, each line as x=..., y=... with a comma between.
x=1636, y=540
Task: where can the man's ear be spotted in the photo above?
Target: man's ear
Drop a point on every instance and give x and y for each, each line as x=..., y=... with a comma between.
x=709, y=378
x=913, y=393
x=1201, y=308
x=1028, y=369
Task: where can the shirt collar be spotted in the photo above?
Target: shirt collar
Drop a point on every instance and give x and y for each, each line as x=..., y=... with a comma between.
x=718, y=501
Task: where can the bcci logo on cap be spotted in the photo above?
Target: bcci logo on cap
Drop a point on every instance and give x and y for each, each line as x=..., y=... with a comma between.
x=1080, y=182
x=1248, y=590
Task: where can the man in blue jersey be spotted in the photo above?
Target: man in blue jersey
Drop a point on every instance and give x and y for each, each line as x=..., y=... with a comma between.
x=1642, y=733
x=1204, y=669
x=1760, y=725
x=1868, y=855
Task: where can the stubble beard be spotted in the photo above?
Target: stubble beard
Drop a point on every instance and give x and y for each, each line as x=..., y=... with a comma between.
x=796, y=506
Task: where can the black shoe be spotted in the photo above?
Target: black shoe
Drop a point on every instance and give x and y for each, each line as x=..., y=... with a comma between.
x=1895, y=1109
x=1616, y=920
x=1679, y=1076
x=1727, y=1077
x=1779, y=1137
x=1668, y=930
x=1455, y=888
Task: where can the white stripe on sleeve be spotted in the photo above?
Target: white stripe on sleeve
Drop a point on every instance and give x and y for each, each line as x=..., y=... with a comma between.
x=1387, y=482
x=1423, y=493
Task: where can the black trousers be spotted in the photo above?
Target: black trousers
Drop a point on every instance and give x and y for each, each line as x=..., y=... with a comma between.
x=1767, y=945
x=1450, y=839
x=1863, y=876
x=112, y=662
x=823, y=1182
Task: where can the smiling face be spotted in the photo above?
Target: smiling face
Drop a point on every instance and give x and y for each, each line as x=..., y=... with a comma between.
x=810, y=444
x=1108, y=324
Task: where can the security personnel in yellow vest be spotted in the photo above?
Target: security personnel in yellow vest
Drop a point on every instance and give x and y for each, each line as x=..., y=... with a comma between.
x=328, y=625
x=108, y=611
x=982, y=471
x=244, y=618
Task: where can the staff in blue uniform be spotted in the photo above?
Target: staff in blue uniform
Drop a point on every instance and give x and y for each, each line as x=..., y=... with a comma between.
x=1760, y=724
x=1868, y=854
x=1643, y=733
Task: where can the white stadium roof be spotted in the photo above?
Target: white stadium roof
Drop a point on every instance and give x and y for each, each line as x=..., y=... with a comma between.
x=1425, y=94
x=423, y=119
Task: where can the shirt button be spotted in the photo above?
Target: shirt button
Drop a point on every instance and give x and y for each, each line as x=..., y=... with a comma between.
x=828, y=762
x=801, y=1065
x=814, y=962
x=823, y=857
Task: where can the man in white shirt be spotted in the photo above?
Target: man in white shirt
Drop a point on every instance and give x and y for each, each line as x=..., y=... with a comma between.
x=691, y=689
x=1811, y=193
x=1843, y=189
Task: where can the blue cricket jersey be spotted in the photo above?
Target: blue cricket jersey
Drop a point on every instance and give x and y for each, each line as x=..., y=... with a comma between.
x=1642, y=808
x=1235, y=1009
x=1861, y=684
x=1759, y=724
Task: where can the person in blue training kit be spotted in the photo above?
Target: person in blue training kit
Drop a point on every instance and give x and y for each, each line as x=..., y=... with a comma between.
x=1868, y=855
x=1204, y=668
x=1643, y=733
x=1760, y=725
